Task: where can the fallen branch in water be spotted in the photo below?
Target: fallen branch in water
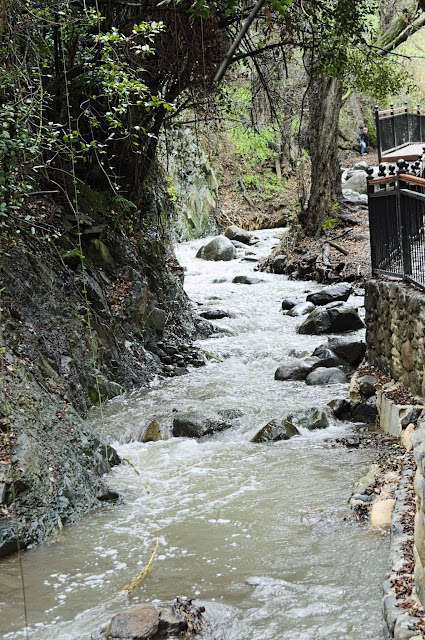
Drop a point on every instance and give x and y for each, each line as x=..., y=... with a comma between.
x=210, y=355
x=129, y=588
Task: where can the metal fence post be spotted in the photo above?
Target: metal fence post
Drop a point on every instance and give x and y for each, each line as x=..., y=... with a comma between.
x=402, y=220
x=406, y=111
x=393, y=125
x=378, y=134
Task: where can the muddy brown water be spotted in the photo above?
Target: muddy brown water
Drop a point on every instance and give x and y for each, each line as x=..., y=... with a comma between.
x=261, y=535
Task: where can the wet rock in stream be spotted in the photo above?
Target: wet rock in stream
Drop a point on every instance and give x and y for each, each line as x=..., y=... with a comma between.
x=295, y=369
x=196, y=424
x=301, y=309
x=246, y=280
x=218, y=249
x=272, y=432
x=335, y=318
x=339, y=292
x=326, y=375
x=240, y=235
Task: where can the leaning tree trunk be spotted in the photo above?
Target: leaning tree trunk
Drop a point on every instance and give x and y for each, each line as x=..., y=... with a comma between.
x=325, y=101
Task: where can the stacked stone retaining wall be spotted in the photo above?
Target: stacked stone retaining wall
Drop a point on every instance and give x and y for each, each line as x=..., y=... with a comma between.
x=395, y=320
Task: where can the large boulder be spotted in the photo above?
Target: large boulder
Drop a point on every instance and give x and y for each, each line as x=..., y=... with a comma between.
x=339, y=292
x=272, y=432
x=331, y=320
x=352, y=351
x=310, y=419
x=219, y=248
x=295, y=370
x=236, y=233
x=365, y=412
x=301, y=309
x=325, y=375
x=357, y=182
x=196, y=424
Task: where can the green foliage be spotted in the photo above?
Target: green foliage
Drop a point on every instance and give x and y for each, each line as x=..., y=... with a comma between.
x=70, y=87
x=171, y=190
x=328, y=223
x=251, y=147
x=383, y=78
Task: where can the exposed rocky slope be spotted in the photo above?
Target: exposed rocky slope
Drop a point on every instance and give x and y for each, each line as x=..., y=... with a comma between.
x=78, y=324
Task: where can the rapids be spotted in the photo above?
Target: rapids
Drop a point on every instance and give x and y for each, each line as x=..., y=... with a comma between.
x=260, y=534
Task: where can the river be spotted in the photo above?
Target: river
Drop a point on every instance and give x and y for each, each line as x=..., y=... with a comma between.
x=260, y=534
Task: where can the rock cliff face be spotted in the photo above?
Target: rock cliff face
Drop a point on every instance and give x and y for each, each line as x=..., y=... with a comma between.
x=79, y=324
x=193, y=184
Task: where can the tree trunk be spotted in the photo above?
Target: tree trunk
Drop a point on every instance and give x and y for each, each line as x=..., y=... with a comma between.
x=325, y=101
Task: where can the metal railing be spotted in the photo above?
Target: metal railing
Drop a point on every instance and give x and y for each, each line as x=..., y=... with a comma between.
x=396, y=128
x=397, y=222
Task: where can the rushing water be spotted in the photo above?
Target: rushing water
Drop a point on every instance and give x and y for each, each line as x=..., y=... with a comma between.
x=259, y=534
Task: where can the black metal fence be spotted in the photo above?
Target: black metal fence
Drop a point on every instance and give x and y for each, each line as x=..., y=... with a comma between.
x=396, y=128
x=397, y=222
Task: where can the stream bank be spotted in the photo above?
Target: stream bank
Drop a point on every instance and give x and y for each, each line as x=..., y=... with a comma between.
x=86, y=314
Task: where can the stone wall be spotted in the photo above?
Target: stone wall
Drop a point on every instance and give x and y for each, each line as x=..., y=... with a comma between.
x=395, y=320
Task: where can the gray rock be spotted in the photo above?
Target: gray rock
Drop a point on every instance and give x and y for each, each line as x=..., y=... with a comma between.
x=301, y=309
x=215, y=314
x=246, y=280
x=236, y=233
x=141, y=623
x=357, y=182
x=279, y=263
x=351, y=196
x=219, y=248
x=100, y=256
x=295, y=370
x=367, y=386
x=8, y=537
x=289, y=303
x=327, y=358
x=324, y=375
x=361, y=166
x=310, y=419
x=196, y=424
x=341, y=408
x=339, y=292
x=352, y=351
x=365, y=412
x=334, y=320
x=272, y=432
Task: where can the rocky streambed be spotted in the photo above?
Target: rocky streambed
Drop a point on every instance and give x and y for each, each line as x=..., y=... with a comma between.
x=259, y=533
